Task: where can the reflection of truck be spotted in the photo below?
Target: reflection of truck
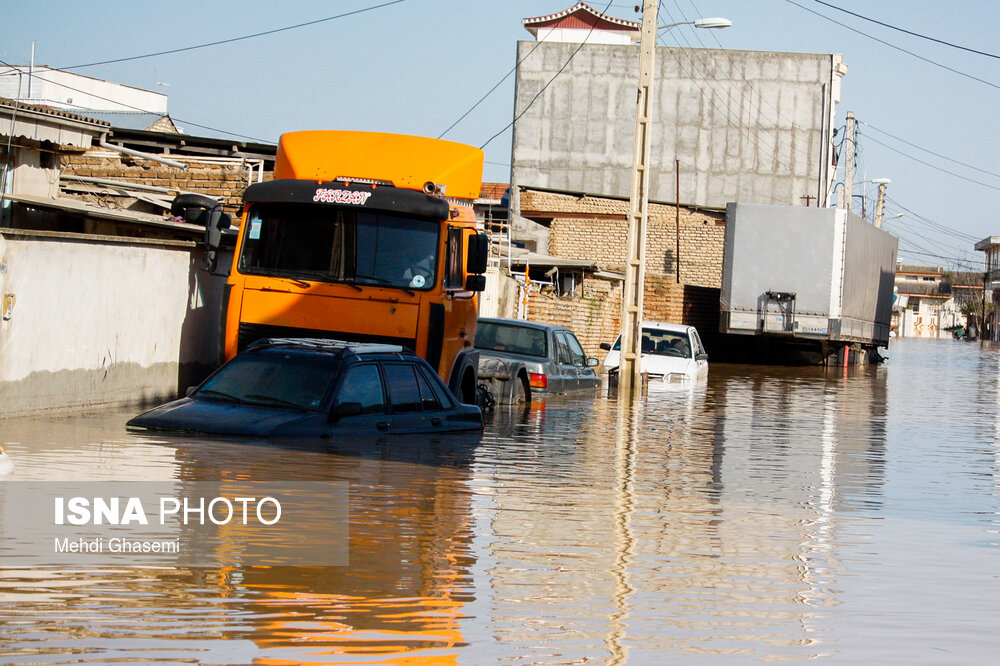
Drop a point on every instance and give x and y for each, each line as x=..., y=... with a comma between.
x=364, y=237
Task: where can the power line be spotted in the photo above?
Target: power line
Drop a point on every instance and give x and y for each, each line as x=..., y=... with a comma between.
x=893, y=46
x=490, y=91
x=234, y=39
x=944, y=157
x=135, y=108
x=539, y=93
x=908, y=32
x=933, y=166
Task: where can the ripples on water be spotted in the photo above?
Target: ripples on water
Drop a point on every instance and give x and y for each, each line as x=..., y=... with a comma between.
x=768, y=514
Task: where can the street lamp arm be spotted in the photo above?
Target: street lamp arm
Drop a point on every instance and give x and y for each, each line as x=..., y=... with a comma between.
x=705, y=23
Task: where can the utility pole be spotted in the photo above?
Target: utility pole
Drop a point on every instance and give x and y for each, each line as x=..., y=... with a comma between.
x=629, y=369
x=845, y=200
x=880, y=206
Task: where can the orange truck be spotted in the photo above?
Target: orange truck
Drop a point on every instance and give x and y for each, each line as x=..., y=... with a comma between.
x=366, y=237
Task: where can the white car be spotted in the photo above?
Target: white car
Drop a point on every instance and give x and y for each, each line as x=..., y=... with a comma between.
x=670, y=353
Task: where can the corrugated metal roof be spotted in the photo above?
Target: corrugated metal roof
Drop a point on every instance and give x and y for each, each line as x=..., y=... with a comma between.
x=133, y=120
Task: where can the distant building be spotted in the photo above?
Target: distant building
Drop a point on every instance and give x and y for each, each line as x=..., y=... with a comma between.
x=755, y=127
x=929, y=300
x=115, y=103
x=991, y=246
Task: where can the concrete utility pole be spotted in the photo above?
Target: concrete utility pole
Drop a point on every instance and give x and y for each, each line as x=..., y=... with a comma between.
x=845, y=200
x=629, y=368
x=880, y=206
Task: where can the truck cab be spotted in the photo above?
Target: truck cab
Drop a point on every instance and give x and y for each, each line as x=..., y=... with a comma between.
x=365, y=237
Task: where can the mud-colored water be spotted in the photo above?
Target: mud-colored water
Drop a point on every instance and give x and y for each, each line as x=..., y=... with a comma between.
x=768, y=514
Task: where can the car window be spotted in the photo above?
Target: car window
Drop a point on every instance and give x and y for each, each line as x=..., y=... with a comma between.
x=563, y=355
x=363, y=385
x=428, y=401
x=497, y=336
x=404, y=393
x=283, y=379
x=431, y=379
x=576, y=350
x=698, y=347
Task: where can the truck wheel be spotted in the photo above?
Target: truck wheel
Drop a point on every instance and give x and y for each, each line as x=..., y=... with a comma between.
x=468, y=393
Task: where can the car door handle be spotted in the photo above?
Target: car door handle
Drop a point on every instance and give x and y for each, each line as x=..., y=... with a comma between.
x=382, y=425
x=435, y=421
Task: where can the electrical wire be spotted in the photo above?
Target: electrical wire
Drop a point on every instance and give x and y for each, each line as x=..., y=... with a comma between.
x=539, y=93
x=944, y=157
x=233, y=39
x=933, y=166
x=908, y=32
x=490, y=91
x=135, y=108
x=893, y=46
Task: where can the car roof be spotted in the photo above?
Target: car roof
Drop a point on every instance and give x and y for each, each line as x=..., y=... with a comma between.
x=521, y=322
x=664, y=326
x=338, y=348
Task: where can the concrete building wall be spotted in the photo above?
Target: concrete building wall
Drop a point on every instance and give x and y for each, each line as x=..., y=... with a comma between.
x=747, y=126
x=67, y=90
x=102, y=320
x=595, y=228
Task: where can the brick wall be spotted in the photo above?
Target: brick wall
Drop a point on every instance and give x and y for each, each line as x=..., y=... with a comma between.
x=596, y=316
x=595, y=228
x=226, y=182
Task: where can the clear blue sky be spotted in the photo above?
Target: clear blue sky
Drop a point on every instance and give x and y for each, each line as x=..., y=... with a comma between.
x=416, y=66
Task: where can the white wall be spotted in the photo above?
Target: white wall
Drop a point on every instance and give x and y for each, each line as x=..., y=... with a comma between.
x=66, y=90
x=102, y=322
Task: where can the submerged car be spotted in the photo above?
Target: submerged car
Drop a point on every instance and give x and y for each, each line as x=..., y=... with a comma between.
x=670, y=353
x=295, y=387
x=552, y=356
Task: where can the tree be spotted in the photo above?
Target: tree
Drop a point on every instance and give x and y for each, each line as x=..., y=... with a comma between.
x=974, y=312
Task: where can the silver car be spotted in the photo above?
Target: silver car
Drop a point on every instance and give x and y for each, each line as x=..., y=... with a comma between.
x=553, y=357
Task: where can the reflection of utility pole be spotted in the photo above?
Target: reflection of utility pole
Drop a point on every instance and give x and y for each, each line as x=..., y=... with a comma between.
x=629, y=367
x=844, y=201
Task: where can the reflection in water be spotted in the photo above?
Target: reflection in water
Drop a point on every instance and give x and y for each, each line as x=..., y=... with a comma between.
x=769, y=513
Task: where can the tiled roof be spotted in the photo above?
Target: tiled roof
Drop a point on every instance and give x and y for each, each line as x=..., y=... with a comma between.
x=493, y=190
x=581, y=16
x=918, y=270
x=58, y=113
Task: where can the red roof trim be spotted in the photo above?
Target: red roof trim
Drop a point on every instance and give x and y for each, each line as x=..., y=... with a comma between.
x=581, y=16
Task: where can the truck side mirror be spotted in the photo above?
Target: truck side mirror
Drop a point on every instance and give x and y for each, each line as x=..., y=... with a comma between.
x=606, y=346
x=475, y=283
x=479, y=255
x=206, y=211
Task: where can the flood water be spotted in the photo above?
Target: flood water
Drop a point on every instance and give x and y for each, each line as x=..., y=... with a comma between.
x=770, y=514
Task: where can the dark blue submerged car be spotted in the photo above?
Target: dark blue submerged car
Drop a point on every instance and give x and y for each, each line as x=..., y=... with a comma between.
x=291, y=388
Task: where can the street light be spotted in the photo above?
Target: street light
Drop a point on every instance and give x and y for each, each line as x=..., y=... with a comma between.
x=881, y=182
x=629, y=365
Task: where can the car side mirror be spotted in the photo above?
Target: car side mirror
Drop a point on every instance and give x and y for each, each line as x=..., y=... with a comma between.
x=592, y=362
x=345, y=409
x=701, y=357
x=190, y=390
x=606, y=346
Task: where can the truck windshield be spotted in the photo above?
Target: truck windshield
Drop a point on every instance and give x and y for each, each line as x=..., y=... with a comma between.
x=340, y=244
